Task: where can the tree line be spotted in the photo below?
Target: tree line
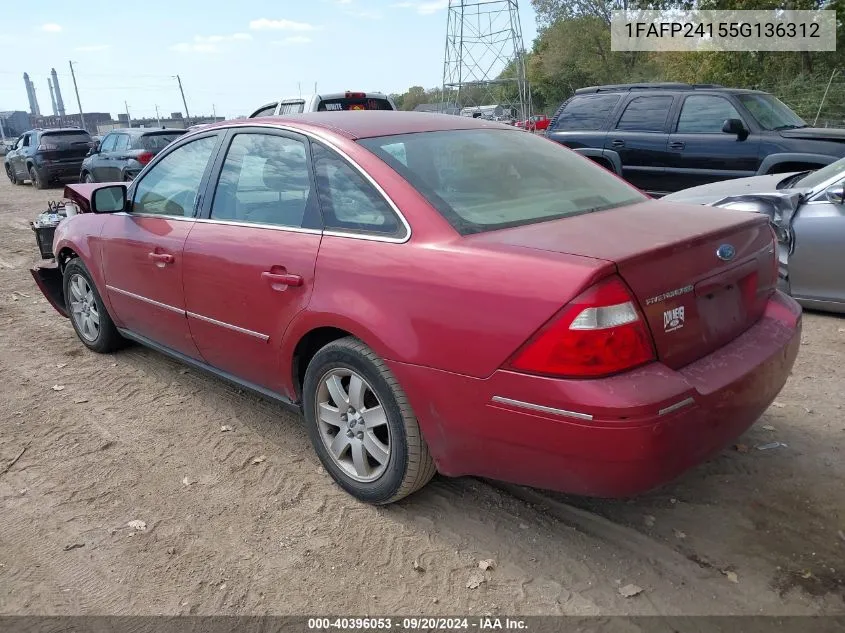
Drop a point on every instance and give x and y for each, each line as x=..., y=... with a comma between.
x=572, y=50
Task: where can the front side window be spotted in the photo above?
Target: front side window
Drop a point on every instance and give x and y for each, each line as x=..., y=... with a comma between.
x=264, y=180
x=108, y=143
x=266, y=111
x=770, y=112
x=482, y=180
x=122, y=143
x=586, y=113
x=702, y=114
x=172, y=185
x=645, y=114
x=348, y=201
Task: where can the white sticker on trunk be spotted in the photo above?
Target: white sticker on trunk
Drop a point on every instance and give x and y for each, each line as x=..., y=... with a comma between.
x=673, y=319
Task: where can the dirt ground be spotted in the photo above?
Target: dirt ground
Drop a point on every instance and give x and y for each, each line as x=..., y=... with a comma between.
x=137, y=437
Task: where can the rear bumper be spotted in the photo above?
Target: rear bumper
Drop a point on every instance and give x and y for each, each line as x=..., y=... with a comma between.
x=48, y=277
x=53, y=170
x=613, y=437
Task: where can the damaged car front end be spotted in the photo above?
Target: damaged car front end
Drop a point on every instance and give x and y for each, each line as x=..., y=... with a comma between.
x=781, y=208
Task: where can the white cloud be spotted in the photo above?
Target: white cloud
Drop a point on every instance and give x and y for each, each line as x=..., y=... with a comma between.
x=364, y=14
x=216, y=39
x=187, y=47
x=423, y=8
x=293, y=40
x=264, y=24
x=51, y=27
x=93, y=48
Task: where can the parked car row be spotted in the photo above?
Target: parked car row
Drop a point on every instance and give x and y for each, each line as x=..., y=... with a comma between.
x=597, y=341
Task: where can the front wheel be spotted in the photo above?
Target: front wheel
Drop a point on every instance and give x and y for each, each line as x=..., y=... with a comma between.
x=88, y=178
x=362, y=426
x=88, y=315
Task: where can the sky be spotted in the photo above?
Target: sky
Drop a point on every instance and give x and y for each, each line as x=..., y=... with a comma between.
x=231, y=60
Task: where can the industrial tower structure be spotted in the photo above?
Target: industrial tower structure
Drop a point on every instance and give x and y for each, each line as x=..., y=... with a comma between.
x=30, y=94
x=484, y=63
x=60, y=104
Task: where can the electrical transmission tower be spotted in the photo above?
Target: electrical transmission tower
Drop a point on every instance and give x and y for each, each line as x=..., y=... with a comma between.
x=484, y=64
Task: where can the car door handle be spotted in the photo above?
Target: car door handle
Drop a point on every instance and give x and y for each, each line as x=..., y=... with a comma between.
x=617, y=143
x=677, y=145
x=161, y=258
x=282, y=279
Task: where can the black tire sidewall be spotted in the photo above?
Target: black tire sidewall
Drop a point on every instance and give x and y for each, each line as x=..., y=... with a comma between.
x=35, y=178
x=102, y=343
x=385, y=487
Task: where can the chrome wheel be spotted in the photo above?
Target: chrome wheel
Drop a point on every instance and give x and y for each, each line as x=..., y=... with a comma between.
x=89, y=178
x=353, y=424
x=83, y=308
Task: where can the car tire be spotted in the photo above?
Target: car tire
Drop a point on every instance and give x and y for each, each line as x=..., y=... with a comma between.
x=88, y=315
x=35, y=179
x=12, y=176
x=375, y=450
x=87, y=178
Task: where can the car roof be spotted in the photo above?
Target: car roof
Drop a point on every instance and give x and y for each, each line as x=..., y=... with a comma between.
x=664, y=86
x=358, y=124
x=141, y=131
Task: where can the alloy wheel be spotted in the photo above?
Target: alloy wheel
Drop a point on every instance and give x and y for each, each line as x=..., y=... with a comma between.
x=83, y=307
x=352, y=424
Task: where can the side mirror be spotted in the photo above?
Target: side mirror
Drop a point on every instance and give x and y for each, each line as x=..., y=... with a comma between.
x=111, y=199
x=835, y=194
x=735, y=126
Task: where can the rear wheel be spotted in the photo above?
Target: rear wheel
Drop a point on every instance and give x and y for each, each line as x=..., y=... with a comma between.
x=87, y=178
x=35, y=179
x=362, y=426
x=88, y=315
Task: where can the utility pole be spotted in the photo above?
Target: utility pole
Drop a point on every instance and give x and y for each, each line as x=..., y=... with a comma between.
x=128, y=118
x=2, y=131
x=184, y=102
x=158, y=118
x=213, y=113
x=76, y=90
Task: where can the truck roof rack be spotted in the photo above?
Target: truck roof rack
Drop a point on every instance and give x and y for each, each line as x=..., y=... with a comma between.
x=645, y=86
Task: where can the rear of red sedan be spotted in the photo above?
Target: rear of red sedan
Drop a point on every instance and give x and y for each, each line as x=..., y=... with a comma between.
x=671, y=342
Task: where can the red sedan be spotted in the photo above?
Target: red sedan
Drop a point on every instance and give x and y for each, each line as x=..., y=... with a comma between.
x=535, y=123
x=438, y=294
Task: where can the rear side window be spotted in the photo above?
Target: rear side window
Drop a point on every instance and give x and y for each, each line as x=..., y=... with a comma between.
x=295, y=107
x=348, y=201
x=704, y=114
x=354, y=104
x=646, y=114
x=155, y=142
x=586, y=113
x=67, y=138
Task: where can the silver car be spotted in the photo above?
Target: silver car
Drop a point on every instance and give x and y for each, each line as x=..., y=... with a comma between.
x=807, y=210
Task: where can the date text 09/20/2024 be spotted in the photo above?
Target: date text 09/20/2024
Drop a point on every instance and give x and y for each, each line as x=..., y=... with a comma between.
x=482, y=623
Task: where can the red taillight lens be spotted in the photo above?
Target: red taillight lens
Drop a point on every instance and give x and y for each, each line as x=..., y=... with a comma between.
x=355, y=95
x=144, y=157
x=601, y=332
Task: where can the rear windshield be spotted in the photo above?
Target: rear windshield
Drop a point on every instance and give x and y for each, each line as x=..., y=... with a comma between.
x=67, y=138
x=158, y=141
x=354, y=104
x=482, y=180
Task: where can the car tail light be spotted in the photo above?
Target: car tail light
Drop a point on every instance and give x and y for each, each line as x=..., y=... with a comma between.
x=45, y=147
x=355, y=95
x=600, y=332
x=144, y=157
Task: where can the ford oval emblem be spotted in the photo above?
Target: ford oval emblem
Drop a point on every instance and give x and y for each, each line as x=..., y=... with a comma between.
x=725, y=252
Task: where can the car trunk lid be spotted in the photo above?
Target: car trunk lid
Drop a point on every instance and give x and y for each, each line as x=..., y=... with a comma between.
x=65, y=145
x=701, y=276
